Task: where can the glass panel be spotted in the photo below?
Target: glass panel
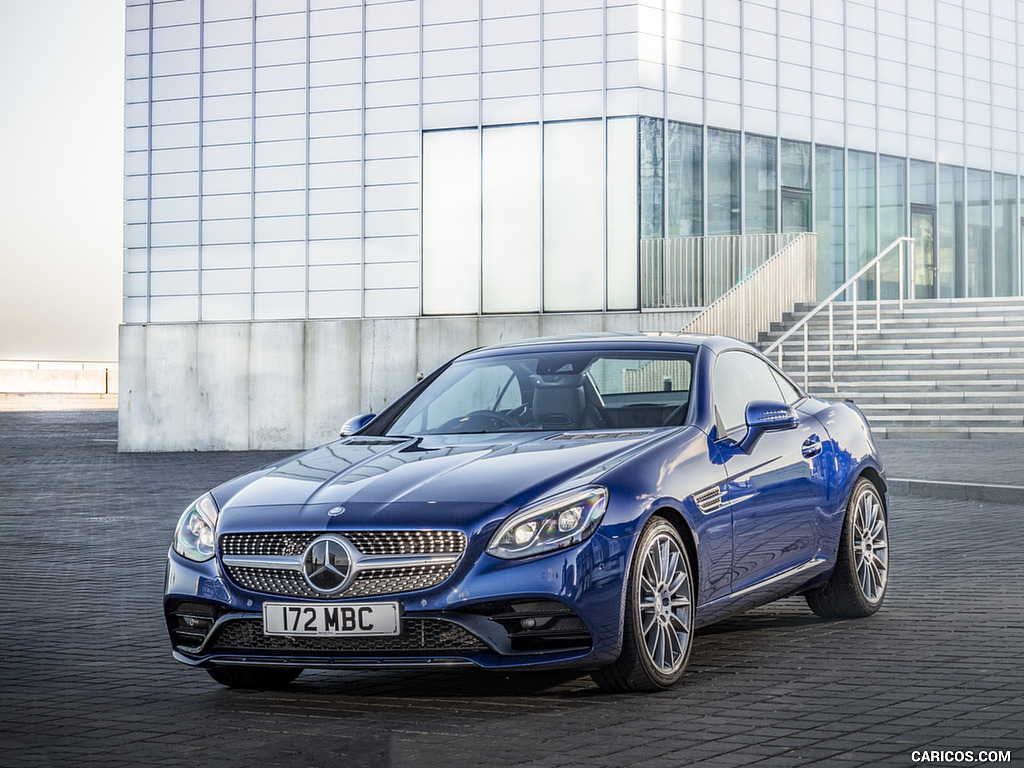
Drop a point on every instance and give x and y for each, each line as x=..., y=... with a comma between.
x=951, y=231
x=796, y=165
x=892, y=222
x=511, y=219
x=760, y=182
x=829, y=221
x=1007, y=261
x=652, y=177
x=979, y=233
x=922, y=225
x=723, y=182
x=922, y=183
x=623, y=232
x=685, y=210
x=796, y=212
x=573, y=213
x=862, y=232
x=451, y=222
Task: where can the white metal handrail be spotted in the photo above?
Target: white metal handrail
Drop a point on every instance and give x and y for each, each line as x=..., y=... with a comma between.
x=904, y=246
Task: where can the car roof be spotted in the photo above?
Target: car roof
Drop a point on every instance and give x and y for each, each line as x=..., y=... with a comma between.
x=612, y=341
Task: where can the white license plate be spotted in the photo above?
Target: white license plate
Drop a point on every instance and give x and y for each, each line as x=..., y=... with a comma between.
x=331, y=619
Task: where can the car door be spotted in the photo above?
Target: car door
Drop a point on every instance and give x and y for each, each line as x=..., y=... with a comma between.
x=778, y=494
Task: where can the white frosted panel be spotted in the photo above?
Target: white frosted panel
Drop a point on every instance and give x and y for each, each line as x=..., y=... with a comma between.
x=451, y=222
x=349, y=251
x=174, y=63
x=335, y=277
x=135, y=235
x=136, y=259
x=280, y=52
x=380, y=249
x=174, y=209
x=511, y=219
x=179, y=111
x=461, y=61
x=400, y=274
x=227, y=107
x=175, y=160
x=227, y=131
x=334, y=225
x=280, y=203
x=171, y=259
x=623, y=234
x=224, y=308
x=281, y=228
x=137, y=17
x=335, y=97
x=513, y=29
x=281, y=77
x=180, y=12
x=323, y=46
x=392, y=13
x=445, y=11
x=335, y=174
x=401, y=144
x=391, y=41
x=176, y=136
x=136, y=163
x=175, y=184
x=279, y=306
x=335, y=123
x=281, y=177
x=573, y=23
x=517, y=109
x=135, y=284
x=227, y=182
x=136, y=66
x=335, y=200
x=384, y=119
x=279, y=254
x=227, y=206
x=280, y=27
x=226, y=256
x=392, y=93
x=524, y=82
x=392, y=196
x=281, y=152
x=575, y=50
x=135, y=310
x=573, y=216
x=280, y=127
x=174, y=283
x=175, y=87
x=217, y=231
x=586, y=77
x=335, y=148
x=388, y=223
x=573, y=106
x=396, y=67
x=186, y=233
x=281, y=102
x=456, y=35
x=176, y=38
x=392, y=302
x=135, y=211
x=227, y=156
x=228, y=82
x=273, y=279
x=345, y=71
x=395, y=171
x=228, y=57
x=136, y=91
x=326, y=304
x=174, y=309
x=458, y=114
x=227, y=9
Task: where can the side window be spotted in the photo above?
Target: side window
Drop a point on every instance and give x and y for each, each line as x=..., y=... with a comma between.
x=790, y=394
x=739, y=378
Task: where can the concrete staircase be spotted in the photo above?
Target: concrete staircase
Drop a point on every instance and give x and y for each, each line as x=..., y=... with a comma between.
x=941, y=368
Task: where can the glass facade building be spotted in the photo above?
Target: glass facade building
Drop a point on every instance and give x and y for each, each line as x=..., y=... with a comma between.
x=306, y=159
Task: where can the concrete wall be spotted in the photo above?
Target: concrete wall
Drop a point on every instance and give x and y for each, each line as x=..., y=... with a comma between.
x=290, y=385
x=60, y=378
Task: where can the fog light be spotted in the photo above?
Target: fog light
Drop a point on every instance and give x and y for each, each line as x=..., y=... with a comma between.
x=529, y=623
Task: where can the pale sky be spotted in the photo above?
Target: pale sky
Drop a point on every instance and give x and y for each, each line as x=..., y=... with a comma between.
x=61, y=178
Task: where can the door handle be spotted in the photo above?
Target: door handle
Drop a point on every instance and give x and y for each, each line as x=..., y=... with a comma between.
x=811, y=447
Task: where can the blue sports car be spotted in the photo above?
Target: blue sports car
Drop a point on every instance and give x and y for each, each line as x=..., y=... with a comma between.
x=584, y=502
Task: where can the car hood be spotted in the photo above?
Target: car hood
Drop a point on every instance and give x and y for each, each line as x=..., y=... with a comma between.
x=398, y=481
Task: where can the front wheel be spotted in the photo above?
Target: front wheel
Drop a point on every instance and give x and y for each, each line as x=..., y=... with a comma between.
x=254, y=678
x=658, y=621
x=857, y=586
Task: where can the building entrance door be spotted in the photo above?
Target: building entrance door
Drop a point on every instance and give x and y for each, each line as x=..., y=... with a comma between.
x=926, y=275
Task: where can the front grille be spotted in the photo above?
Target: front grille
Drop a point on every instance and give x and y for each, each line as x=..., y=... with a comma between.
x=273, y=579
x=419, y=635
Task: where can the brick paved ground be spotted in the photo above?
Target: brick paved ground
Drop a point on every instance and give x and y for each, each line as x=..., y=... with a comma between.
x=86, y=676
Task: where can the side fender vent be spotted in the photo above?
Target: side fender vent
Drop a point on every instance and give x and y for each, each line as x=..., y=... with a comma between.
x=709, y=500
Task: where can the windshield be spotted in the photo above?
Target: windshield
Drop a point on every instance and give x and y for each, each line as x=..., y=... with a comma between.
x=552, y=391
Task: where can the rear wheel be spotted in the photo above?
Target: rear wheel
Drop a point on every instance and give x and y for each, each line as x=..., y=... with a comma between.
x=255, y=678
x=857, y=586
x=658, y=622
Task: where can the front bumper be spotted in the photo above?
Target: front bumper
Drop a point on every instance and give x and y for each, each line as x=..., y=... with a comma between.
x=558, y=610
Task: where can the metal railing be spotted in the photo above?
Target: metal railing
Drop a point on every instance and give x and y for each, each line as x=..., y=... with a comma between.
x=787, y=278
x=687, y=272
x=904, y=247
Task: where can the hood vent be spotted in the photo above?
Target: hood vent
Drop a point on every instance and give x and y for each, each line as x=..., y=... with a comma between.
x=599, y=435
x=709, y=500
x=375, y=441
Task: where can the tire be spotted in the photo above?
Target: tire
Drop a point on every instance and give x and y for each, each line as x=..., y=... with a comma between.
x=657, y=631
x=857, y=585
x=254, y=678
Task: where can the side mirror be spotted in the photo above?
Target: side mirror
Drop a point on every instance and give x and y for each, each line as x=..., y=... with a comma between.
x=356, y=423
x=766, y=416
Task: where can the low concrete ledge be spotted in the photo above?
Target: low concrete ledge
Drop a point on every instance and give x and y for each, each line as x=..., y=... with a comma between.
x=939, y=489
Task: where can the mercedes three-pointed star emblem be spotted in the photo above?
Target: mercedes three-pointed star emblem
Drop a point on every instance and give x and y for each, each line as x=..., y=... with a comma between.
x=327, y=564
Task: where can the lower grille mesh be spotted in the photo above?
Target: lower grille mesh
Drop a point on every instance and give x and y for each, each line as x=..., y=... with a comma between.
x=420, y=635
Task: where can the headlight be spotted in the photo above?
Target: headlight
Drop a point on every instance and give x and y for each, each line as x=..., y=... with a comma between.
x=561, y=521
x=195, y=537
